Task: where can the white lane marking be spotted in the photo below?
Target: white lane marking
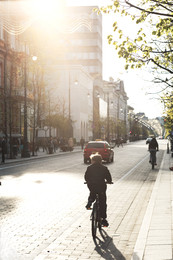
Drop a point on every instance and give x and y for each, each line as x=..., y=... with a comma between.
x=68, y=167
x=131, y=170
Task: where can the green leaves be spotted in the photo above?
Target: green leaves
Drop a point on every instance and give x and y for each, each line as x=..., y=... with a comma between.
x=139, y=38
x=168, y=104
x=153, y=41
x=110, y=38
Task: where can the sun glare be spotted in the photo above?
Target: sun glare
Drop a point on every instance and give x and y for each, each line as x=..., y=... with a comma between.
x=47, y=10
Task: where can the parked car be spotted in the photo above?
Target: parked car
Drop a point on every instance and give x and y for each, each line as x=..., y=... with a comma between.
x=101, y=147
x=148, y=140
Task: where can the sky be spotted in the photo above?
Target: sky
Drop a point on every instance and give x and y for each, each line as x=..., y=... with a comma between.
x=138, y=86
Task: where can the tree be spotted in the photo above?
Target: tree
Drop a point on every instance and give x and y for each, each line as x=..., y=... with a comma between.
x=153, y=43
x=168, y=118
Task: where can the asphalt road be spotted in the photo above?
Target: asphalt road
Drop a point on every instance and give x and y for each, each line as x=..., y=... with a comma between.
x=42, y=206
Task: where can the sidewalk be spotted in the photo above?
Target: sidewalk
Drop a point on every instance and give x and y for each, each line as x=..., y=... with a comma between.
x=155, y=241
x=40, y=154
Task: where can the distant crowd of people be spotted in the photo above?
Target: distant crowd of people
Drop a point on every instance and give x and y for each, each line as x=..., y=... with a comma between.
x=52, y=144
x=48, y=144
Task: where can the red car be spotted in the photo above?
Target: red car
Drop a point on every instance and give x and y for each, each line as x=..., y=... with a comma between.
x=101, y=147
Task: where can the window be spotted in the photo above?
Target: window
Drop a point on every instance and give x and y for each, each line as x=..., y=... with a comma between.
x=95, y=145
x=1, y=32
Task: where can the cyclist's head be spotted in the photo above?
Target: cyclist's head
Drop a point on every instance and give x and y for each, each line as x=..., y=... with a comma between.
x=96, y=158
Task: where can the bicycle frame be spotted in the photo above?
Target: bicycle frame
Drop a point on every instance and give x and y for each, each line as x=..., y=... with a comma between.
x=153, y=157
x=95, y=217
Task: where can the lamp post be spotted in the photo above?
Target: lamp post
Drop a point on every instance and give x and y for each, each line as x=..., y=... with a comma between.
x=108, y=134
x=69, y=99
x=50, y=134
x=96, y=116
x=34, y=58
x=25, y=152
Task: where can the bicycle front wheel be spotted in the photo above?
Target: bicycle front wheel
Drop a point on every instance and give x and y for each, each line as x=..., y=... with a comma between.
x=94, y=220
x=153, y=158
x=152, y=164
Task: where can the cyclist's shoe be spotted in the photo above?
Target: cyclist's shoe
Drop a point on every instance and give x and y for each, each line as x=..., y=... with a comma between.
x=149, y=161
x=88, y=206
x=155, y=164
x=104, y=223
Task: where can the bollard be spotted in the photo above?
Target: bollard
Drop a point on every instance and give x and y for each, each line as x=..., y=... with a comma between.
x=167, y=148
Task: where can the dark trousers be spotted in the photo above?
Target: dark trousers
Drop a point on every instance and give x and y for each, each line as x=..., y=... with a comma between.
x=102, y=201
x=3, y=157
x=153, y=154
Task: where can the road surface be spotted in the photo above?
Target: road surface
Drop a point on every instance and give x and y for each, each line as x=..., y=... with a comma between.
x=42, y=206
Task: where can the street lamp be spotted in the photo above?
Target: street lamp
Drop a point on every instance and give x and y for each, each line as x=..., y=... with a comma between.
x=69, y=99
x=96, y=115
x=108, y=134
x=34, y=58
x=25, y=152
x=109, y=105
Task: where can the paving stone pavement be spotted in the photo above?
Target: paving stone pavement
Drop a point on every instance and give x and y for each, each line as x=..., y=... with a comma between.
x=155, y=239
x=151, y=227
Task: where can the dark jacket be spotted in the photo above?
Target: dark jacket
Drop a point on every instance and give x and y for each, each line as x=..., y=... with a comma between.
x=3, y=146
x=153, y=144
x=96, y=175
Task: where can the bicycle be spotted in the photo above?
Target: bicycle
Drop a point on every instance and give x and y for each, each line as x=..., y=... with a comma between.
x=153, y=157
x=96, y=221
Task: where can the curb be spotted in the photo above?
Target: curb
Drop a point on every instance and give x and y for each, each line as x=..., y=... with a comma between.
x=11, y=161
x=141, y=241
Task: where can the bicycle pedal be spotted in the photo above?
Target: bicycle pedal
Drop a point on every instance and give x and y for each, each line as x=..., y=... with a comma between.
x=89, y=208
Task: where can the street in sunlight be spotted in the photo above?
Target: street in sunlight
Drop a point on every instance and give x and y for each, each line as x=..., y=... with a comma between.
x=66, y=98
x=43, y=200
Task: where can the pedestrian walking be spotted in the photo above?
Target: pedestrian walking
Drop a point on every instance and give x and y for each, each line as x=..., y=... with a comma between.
x=70, y=144
x=3, y=146
x=82, y=142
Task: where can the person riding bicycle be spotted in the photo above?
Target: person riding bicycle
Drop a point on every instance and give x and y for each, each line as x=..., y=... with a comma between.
x=153, y=147
x=95, y=176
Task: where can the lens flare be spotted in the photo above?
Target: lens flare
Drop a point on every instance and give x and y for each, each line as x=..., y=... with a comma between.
x=47, y=10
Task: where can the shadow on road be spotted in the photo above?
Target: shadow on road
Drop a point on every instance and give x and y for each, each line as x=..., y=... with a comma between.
x=106, y=248
x=7, y=205
x=135, y=256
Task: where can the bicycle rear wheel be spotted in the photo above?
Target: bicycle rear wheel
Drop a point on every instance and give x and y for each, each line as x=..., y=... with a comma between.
x=94, y=221
x=153, y=158
x=152, y=164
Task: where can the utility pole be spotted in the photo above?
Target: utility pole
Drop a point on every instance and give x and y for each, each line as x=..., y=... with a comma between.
x=5, y=88
x=26, y=152
x=108, y=118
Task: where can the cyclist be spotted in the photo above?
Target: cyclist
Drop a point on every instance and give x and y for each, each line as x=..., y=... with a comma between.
x=153, y=147
x=95, y=176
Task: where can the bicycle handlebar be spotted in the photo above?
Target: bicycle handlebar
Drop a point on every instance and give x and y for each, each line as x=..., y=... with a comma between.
x=105, y=182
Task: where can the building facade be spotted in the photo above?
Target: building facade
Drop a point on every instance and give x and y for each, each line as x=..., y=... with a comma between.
x=116, y=97
x=78, y=58
x=71, y=89
x=53, y=98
